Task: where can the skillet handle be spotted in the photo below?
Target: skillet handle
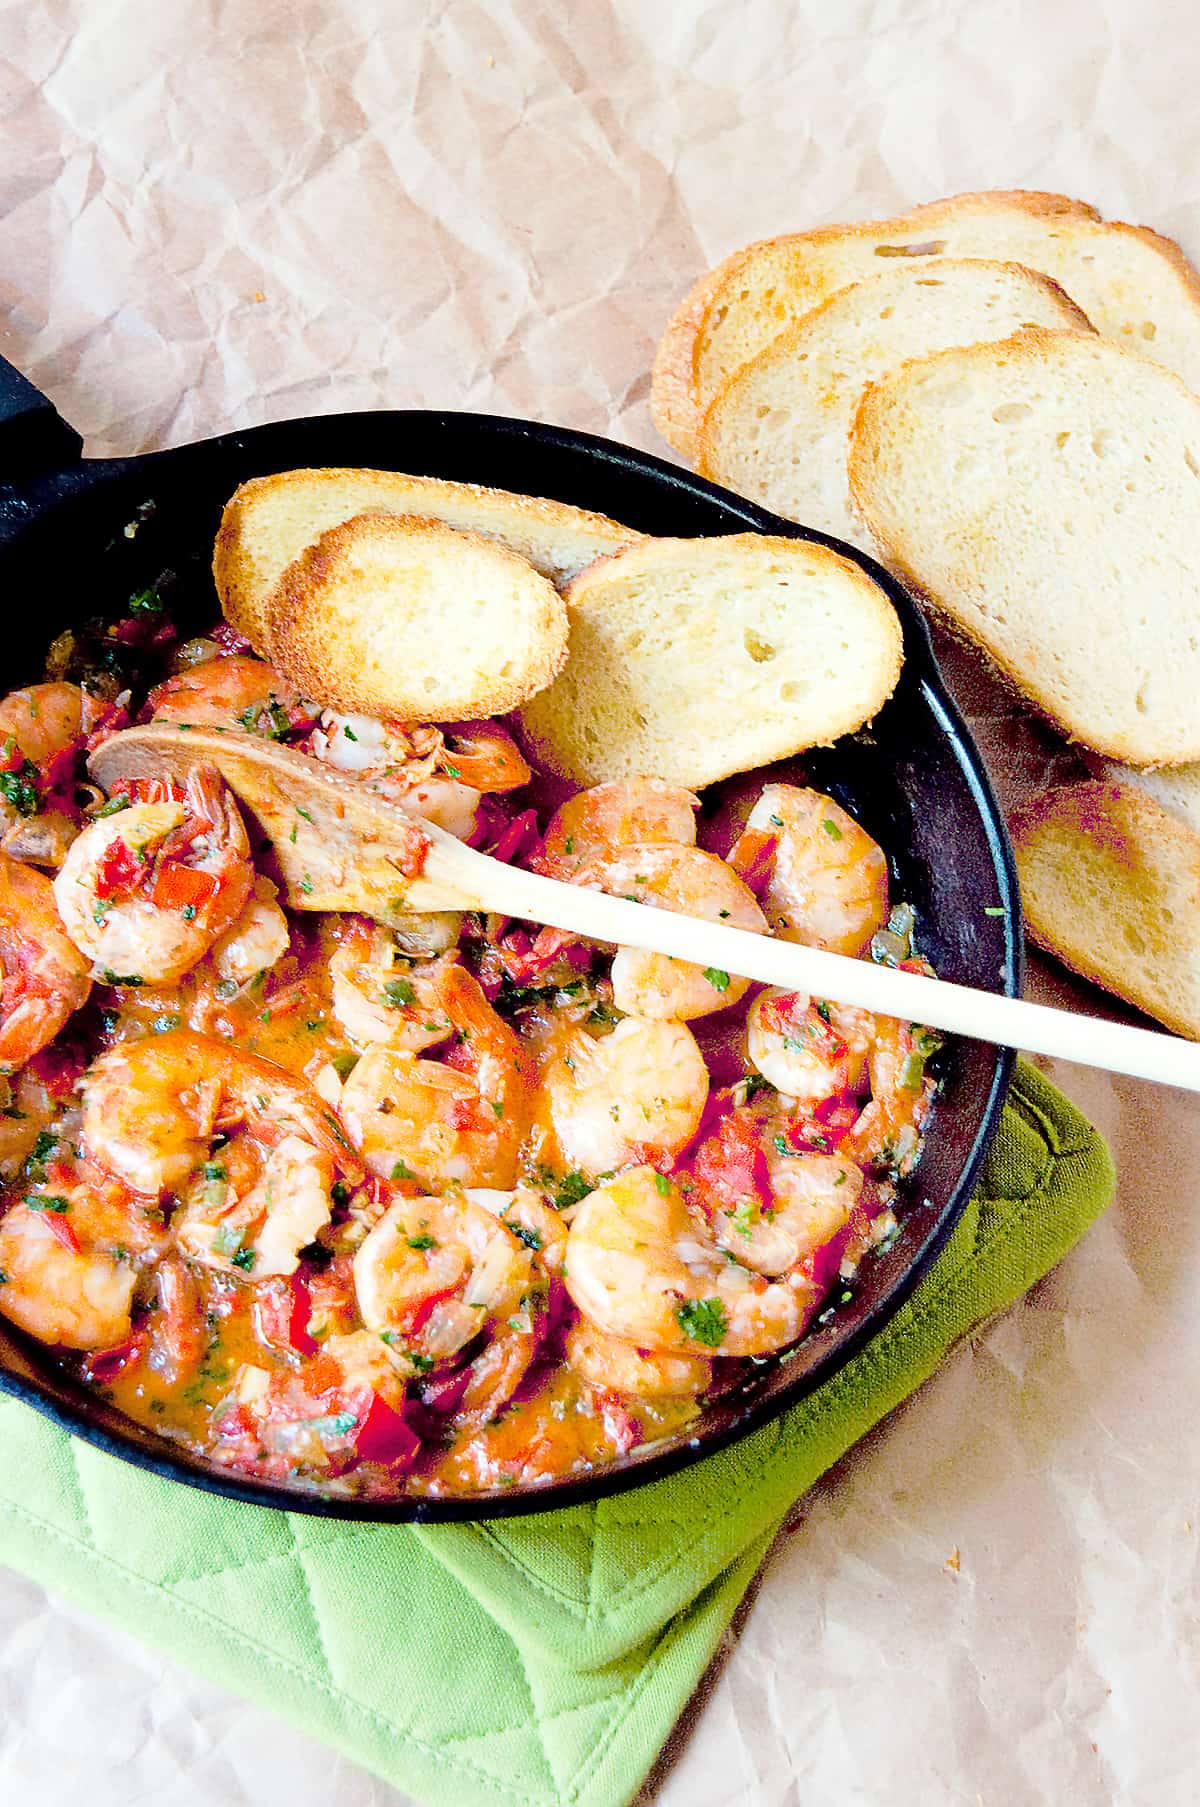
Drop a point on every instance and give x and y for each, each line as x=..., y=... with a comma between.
x=33, y=435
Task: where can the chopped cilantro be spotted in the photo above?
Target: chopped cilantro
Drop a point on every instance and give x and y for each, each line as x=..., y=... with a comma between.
x=244, y=1258
x=300, y=811
x=531, y=1238
x=226, y=988
x=822, y=1010
x=662, y=1185
x=213, y=1170
x=20, y=789
x=48, y=1201
x=704, y=1321
x=422, y=1363
x=111, y=808
x=423, y=1241
x=108, y=977
x=452, y=771
x=831, y=829
x=569, y=844
x=306, y=885
x=188, y=912
x=146, y=602
x=716, y=978
x=343, y=1064
x=402, y=1171
x=993, y=910
x=398, y=993
x=742, y=1217
x=497, y=1109
x=339, y=1192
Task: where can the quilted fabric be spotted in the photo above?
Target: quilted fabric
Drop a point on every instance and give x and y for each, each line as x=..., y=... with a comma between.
x=539, y=1661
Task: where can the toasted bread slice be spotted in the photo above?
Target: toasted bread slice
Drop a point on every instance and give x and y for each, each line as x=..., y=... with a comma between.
x=1133, y=284
x=1111, y=885
x=1043, y=492
x=396, y=616
x=270, y=520
x=692, y=659
x=672, y=387
x=778, y=430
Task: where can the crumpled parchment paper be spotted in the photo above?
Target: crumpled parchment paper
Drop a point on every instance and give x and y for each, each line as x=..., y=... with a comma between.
x=218, y=214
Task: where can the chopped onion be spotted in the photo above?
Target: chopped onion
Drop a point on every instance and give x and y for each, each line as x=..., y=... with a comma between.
x=488, y=1278
x=450, y=1326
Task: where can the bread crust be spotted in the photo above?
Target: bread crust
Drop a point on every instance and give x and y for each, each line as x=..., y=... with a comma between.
x=325, y=662
x=1121, y=822
x=673, y=406
x=691, y=328
x=792, y=338
x=1033, y=344
x=235, y=572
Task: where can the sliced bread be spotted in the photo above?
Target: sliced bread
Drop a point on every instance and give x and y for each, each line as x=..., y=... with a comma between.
x=778, y=429
x=270, y=520
x=1111, y=885
x=1133, y=284
x=396, y=616
x=1044, y=493
x=1176, y=787
x=692, y=659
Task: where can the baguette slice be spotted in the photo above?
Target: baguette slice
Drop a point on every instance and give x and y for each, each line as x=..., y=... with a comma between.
x=1044, y=492
x=692, y=659
x=270, y=520
x=778, y=430
x=1176, y=787
x=392, y=615
x=1111, y=885
x=1133, y=284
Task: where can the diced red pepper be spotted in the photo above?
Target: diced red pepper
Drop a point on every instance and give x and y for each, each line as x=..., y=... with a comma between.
x=61, y=1231
x=424, y=1311
x=384, y=1436
x=176, y=887
x=518, y=839
x=106, y=1364
x=526, y=960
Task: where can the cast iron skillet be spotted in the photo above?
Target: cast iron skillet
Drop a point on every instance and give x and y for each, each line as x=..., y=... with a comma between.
x=78, y=536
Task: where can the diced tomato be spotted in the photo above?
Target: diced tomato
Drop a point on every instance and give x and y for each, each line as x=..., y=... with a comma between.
x=106, y=1364
x=526, y=960
x=282, y=1309
x=179, y=887
x=730, y=1165
x=517, y=839
x=384, y=1436
x=56, y=775
x=753, y=859
x=119, y=871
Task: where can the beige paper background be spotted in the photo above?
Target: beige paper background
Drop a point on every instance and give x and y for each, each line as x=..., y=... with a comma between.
x=215, y=214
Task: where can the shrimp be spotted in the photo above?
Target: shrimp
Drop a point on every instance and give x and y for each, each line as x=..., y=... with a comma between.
x=887, y=1134
x=639, y=1267
x=378, y=996
x=256, y=940
x=609, y=816
x=39, y=727
x=146, y=892
x=400, y=764
x=812, y=1196
x=621, y=1367
x=28, y=1105
x=625, y=1098
x=532, y=1221
x=151, y=1109
x=827, y=880
x=694, y=883
x=234, y=692
x=454, y=1122
x=260, y=1231
x=483, y=755
x=58, y=1290
x=434, y=1272
x=43, y=977
x=809, y=1050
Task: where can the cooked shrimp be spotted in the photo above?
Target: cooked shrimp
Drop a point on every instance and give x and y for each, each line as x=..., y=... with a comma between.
x=234, y=692
x=152, y=1108
x=146, y=892
x=888, y=1132
x=37, y=725
x=257, y=939
x=531, y=1220
x=640, y=1267
x=43, y=976
x=827, y=880
x=400, y=764
x=812, y=1196
x=27, y=1106
x=621, y=1367
x=483, y=755
x=458, y=1121
x=693, y=883
x=379, y=996
x=59, y=1290
x=809, y=1050
x=434, y=1272
x=609, y=816
x=261, y=1230
x=625, y=1098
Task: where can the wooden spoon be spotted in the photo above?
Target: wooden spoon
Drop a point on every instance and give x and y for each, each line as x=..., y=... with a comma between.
x=340, y=847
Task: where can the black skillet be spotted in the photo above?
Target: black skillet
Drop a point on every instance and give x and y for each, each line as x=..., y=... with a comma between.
x=79, y=536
